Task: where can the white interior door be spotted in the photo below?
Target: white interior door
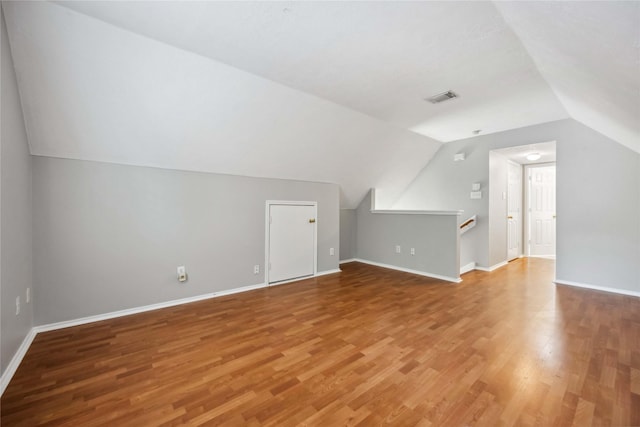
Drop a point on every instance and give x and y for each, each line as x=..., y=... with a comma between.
x=514, y=211
x=292, y=241
x=542, y=210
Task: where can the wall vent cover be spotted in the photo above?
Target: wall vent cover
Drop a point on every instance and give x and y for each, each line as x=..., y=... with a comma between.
x=441, y=97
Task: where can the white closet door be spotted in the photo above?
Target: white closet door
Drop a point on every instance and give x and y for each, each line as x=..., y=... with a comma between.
x=291, y=241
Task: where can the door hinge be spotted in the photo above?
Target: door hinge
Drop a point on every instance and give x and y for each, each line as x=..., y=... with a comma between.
x=270, y=219
x=269, y=266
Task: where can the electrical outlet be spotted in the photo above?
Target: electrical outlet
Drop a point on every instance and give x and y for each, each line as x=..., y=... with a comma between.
x=332, y=251
x=17, y=305
x=27, y=298
x=182, y=273
x=397, y=249
x=413, y=251
x=256, y=269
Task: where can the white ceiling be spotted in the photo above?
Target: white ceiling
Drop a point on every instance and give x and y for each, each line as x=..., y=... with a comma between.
x=319, y=91
x=379, y=58
x=589, y=53
x=519, y=153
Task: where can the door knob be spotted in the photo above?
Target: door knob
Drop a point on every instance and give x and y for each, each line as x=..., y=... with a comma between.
x=312, y=220
x=509, y=217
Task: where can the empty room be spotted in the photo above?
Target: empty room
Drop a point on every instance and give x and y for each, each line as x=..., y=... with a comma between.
x=320, y=213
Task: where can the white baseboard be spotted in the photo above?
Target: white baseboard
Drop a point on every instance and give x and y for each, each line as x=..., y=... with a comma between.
x=493, y=267
x=297, y=279
x=542, y=256
x=12, y=367
x=324, y=273
x=142, y=309
x=344, y=261
x=408, y=270
x=597, y=288
x=467, y=268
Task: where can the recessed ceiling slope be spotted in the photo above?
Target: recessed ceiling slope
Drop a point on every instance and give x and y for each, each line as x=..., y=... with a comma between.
x=589, y=53
x=92, y=91
x=380, y=58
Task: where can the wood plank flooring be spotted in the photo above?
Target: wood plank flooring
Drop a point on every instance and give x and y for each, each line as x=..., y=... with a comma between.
x=367, y=346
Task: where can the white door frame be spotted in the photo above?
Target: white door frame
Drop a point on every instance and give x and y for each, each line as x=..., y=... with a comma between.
x=521, y=203
x=270, y=203
x=527, y=217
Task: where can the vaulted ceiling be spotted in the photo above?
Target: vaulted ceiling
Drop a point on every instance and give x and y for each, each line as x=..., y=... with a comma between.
x=320, y=91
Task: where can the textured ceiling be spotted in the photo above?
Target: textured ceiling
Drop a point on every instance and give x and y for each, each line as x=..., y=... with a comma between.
x=379, y=58
x=319, y=91
x=589, y=53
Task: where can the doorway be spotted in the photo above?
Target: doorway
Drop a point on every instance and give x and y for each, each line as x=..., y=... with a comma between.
x=291, y=236
x=522, y=210
x=540, y=200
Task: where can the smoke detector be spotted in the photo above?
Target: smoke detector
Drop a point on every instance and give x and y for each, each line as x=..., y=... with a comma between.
x=441, y=97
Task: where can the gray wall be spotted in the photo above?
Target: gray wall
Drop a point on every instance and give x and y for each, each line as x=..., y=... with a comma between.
x=16, y=209
x=598, y=198
x=435, y=238
x=598, y=208
x=348, y=230
x=109, y=237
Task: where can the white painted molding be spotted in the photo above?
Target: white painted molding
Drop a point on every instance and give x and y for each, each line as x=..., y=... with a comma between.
x=408, y=270
x=297, y=279
x=493, y=267
x=12, y=367
x=399, y=212
x=597, y=288
x=142, y=309
x=344, y=261
x=374, y=203
x=467, y=268
x=324, y=273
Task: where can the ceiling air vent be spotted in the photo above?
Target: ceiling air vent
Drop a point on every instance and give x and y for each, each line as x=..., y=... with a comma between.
x=441, y=97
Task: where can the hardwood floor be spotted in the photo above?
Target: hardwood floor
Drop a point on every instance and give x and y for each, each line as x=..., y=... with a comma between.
x=367, y=346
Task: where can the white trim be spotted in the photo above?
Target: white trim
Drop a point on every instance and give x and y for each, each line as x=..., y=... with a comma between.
x=408, y=270
x=12, y=367
x=467, y=268
x=267, y=229
x=373, y=209
x=388, y=211
x=344, y=261
x=493, y=267
x=142, y=309
x=521, y=202
x=597, y=288
x=324, y=273
x=542, y=256
x=297, y=279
